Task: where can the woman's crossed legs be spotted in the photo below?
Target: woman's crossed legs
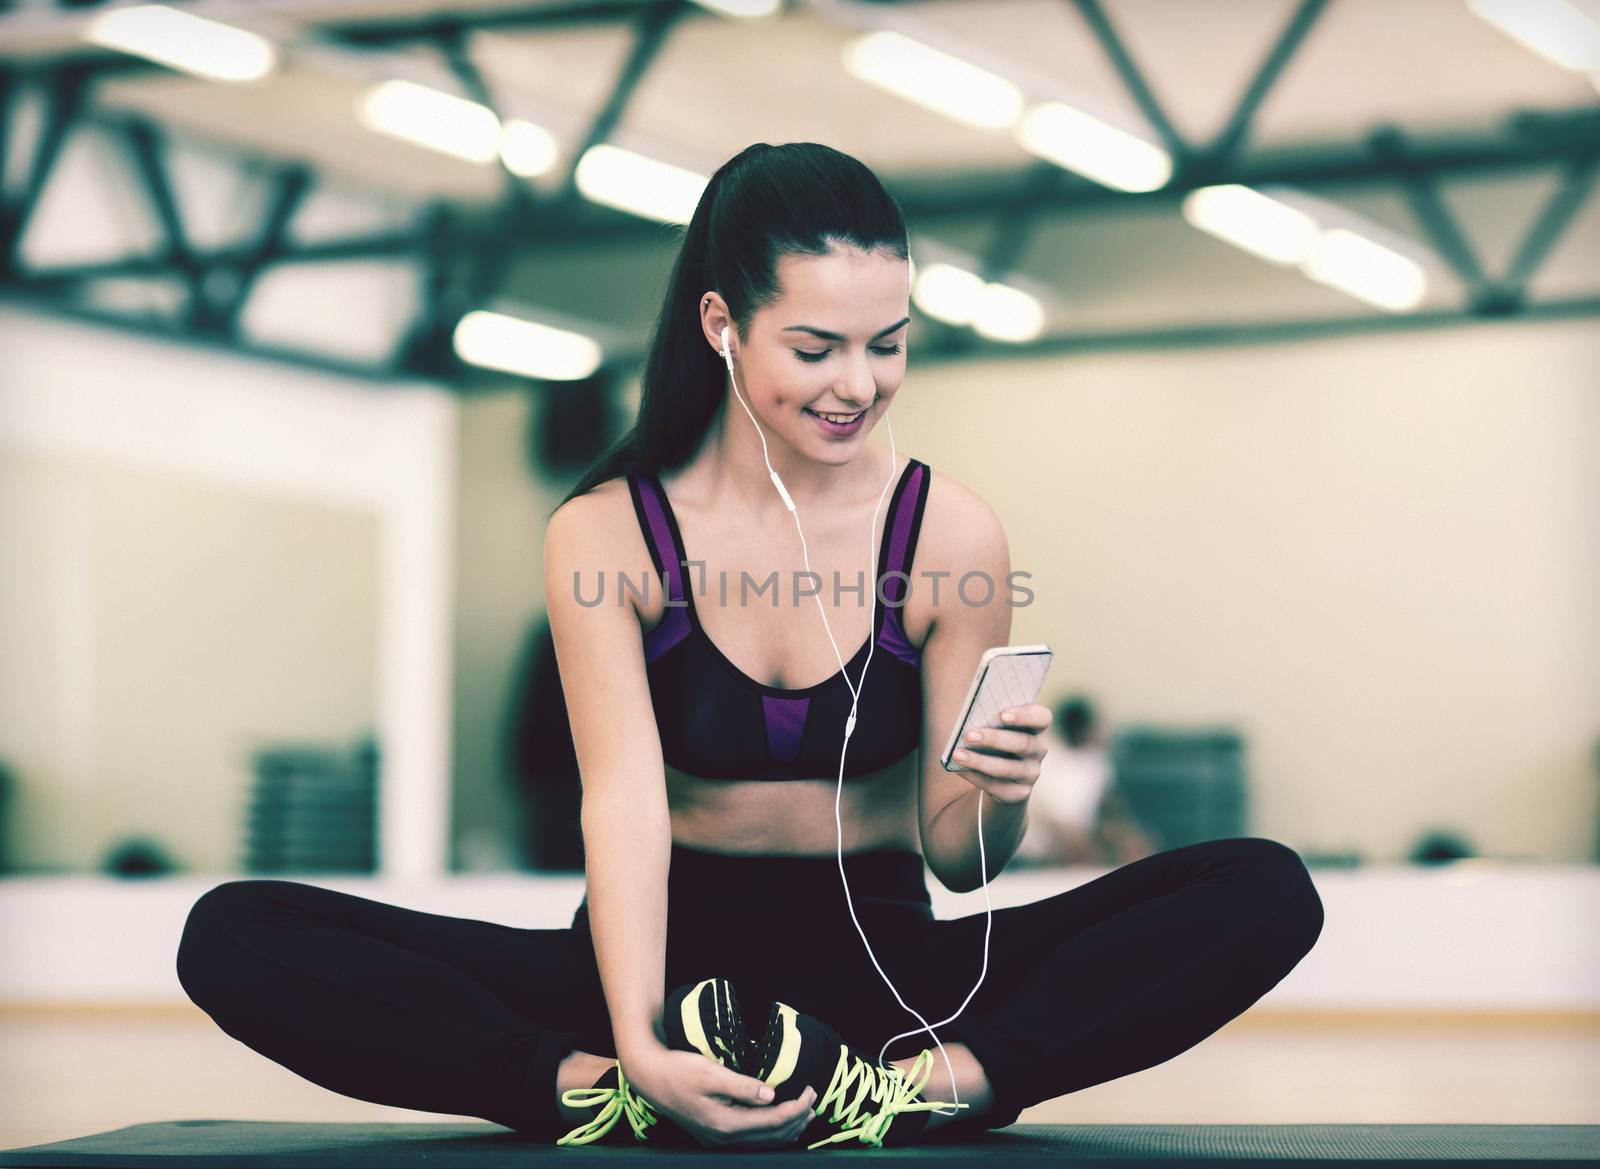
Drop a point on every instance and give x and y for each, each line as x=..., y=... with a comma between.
x=473, y=1018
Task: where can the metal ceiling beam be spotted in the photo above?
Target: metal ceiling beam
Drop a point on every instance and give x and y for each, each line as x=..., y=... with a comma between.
x=230, y=288
x=1265, y=332
x=1016, y=200
x=382, y=32
x=1541, y=141
x=64, y=96
x=144, y=143
x=215, y=343
x=1577, y=180
x=1014, y=229
x=217, y=291
x=1008, y=241
x=1433, y=215
x=1100, y=24
x=427, y=346
x=579, y=14
x=649, y=37
x=519, y=203
x=1227, y=145
x=1488, y=295
x=1063, y=345
x=8, y=101
x=522, y=210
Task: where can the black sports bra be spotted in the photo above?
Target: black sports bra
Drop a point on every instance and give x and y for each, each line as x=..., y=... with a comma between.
x=717, y=722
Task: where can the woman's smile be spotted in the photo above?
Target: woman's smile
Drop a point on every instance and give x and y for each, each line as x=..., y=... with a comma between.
x=837, y=424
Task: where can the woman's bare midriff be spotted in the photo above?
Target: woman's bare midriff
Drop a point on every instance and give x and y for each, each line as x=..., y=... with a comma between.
x=796, y=817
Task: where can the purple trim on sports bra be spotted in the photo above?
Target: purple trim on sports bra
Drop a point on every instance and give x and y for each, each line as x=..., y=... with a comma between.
x=674, y=625
x=893, y=639
x=837, y=678
x=785, y=718
x=892, y=635
x=894, y=588
x=680, y=620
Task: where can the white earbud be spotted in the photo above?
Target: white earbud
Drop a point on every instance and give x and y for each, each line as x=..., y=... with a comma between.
x=850, y=726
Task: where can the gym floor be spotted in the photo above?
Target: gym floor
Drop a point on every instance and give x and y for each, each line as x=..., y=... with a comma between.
x=68, y=1073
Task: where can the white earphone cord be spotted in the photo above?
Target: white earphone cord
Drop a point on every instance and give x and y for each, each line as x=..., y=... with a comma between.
x=849, y=729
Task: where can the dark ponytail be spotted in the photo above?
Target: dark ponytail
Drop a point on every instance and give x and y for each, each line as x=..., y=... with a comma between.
x=762, y=204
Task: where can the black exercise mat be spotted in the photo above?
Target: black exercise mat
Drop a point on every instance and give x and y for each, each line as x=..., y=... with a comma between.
x=220, y=1144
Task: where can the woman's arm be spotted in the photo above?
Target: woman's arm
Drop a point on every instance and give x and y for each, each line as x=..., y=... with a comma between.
x=627, y=835
x=961, y=534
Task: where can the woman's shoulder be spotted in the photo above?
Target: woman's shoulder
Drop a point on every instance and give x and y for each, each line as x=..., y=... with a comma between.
x=959, y=533
x=597, y=509
x=599, y=528
x=958, y=525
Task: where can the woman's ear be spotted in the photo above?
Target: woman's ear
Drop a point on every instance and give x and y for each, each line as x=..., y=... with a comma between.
x=713, y=319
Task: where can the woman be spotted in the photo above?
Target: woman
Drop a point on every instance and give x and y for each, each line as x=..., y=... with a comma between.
x=708, y=731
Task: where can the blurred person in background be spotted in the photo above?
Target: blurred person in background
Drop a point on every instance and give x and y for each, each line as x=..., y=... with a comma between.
x=542, y=763
x=1076, y=815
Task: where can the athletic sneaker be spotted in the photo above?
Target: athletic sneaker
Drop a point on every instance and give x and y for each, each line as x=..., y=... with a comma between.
x=698, y=1016
x=704, y=1016
x=856, y=1099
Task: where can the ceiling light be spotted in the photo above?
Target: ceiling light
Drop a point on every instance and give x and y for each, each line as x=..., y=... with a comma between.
x=1559, y=30
x=1008, y=314
x=434, y=119
x=936, y=80
x=959, y=297
x=1367, y=270
x=642, y=186
x=182, y=40
x=947, y=293
x=1094, y=149
x=747, y=9
x=513, y=345
x=1253, y=221
x=528, y=149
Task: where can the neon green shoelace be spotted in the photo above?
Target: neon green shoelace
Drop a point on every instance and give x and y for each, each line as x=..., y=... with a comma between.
x=616, y=1102
x=894, y=1090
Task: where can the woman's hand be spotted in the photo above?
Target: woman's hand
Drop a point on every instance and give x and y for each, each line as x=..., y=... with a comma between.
x=1004, y=761
x=715, y=1104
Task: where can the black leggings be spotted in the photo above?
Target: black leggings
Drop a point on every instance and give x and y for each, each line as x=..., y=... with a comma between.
x=471, y=1018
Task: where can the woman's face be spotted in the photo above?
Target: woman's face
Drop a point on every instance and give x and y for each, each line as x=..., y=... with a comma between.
x=833, y=343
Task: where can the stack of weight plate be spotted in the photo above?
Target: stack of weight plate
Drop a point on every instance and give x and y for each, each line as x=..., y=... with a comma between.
x=1182, y=786
x=313, y=810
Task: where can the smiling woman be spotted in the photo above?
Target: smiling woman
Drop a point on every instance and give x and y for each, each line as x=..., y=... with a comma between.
x=732, y=775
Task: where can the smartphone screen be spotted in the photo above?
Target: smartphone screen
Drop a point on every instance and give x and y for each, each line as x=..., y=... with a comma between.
x=1007, y=677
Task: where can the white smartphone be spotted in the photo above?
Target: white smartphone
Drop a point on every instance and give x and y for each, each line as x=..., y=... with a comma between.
x=1007, y=676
